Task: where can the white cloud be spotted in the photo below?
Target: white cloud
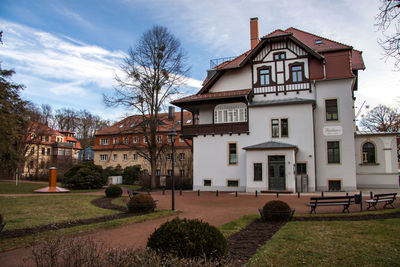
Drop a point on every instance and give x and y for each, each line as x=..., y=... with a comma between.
x=223, y=28
x=57, y=69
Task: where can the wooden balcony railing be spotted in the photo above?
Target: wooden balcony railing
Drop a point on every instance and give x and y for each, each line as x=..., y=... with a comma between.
x=219, y=128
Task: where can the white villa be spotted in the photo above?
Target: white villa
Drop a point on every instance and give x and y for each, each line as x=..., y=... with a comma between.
x=280, y=118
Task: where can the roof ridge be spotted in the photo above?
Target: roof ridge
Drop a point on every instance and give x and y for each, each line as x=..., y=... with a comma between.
x=320, y=37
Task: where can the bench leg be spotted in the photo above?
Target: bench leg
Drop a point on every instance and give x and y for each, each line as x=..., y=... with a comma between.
x=313, y=209
x=389, y=203
x=371, y=205
x=346, y=207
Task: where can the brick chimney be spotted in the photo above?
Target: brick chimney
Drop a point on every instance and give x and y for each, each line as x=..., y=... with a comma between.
x=171, y=113
x=254, y=32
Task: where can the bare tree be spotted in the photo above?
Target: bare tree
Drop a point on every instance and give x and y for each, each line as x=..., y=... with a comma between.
x=46, y=114
x=388, y=21
x=153, y=71
x=66, y=119
x=88, y=124
x=382, y=119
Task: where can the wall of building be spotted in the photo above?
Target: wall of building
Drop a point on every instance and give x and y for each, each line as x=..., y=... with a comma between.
x=341, y=130
x=236, y=79
x=163, y=164
x=262, y=157
x=210, y=157
x=384, y=173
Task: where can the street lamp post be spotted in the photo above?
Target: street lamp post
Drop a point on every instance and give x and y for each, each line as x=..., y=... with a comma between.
x=172, y=134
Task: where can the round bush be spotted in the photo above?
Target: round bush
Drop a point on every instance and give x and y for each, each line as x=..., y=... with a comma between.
x=188, y=239
x=113, y=191
x=141, y=203
x=276, y=210
x=84, y=176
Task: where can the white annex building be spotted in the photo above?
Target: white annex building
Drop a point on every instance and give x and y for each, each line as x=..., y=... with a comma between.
x=280, y=117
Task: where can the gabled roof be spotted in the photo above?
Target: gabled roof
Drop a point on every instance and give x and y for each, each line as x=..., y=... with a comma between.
x=270, y=145
x=309, y=39
x=132, y=124
x=315, y=45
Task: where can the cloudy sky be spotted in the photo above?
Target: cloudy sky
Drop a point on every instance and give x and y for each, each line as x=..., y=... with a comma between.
x=67, y=52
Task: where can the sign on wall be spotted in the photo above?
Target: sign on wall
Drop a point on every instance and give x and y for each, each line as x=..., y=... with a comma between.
x=333, y=130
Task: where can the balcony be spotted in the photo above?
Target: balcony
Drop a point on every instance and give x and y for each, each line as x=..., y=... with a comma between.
x=220, y=128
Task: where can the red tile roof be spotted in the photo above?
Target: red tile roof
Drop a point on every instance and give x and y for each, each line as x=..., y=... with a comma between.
x=132, y=124
x=210, y=96
x=309, y=39
x=325, y=47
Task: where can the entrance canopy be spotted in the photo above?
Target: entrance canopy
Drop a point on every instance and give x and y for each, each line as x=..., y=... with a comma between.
x=270, y=145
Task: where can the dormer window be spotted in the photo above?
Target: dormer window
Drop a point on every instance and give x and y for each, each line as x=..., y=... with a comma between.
x=297, y=73
x=280, y=56
x=318, y=42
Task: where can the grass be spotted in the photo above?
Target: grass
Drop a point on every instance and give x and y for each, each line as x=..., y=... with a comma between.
x=30, y=211
x=119, y=201
x=364, y=213
x=237, y=225
x=7, y=244
x=332, y=243
x=9, y=187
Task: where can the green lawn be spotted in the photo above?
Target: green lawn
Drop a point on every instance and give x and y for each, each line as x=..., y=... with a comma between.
x=9, y=187
x=333, y=243
x=21, y=212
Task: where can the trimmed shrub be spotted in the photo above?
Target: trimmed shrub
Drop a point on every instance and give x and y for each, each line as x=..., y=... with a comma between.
x=84, y=176
x=113, y=191
x=141, y=203
x=276, y=210
x=188, y=239
x=131, y=174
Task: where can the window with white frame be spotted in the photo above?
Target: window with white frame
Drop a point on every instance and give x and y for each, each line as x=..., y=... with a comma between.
x=181, y=156
x=159, y=138
x=135, y=140
x=135, y=157
x=228, y=113
x=169, y=156
x=145, y=139
x=182, y=173
x=103, y=141
x=103, y=157
x=126, y=140
x=125, y=157
x=115, y=140
x=115, y=157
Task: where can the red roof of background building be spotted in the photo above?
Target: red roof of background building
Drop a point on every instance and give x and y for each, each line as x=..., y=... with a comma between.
x=132, y=124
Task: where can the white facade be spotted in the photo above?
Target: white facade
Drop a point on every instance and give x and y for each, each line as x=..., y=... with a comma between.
x=299, y=132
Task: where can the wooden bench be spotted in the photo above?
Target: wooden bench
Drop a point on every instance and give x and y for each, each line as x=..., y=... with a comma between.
x=344, y=201
x=388, y=198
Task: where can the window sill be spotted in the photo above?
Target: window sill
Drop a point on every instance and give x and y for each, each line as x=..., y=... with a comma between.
x=368, y=164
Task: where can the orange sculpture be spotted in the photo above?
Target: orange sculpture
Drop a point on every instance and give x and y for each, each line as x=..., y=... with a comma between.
x=52, y=188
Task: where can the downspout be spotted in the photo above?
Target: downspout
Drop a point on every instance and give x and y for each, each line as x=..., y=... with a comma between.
x=315, y=145
x=324, y=67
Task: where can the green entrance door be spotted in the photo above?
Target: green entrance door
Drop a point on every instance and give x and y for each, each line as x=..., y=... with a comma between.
x=276, y=173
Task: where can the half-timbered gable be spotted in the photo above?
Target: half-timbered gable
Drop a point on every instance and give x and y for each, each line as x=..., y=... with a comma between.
x=280, y=117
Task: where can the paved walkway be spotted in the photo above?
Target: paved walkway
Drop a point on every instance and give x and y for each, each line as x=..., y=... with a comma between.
x=207, y=207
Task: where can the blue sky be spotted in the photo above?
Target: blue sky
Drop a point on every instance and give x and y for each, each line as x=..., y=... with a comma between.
x=67, y=52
